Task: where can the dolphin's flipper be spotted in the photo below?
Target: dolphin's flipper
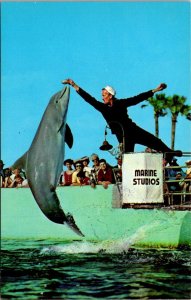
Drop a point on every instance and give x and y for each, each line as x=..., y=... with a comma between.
x=71, y=223
x=69, y=136
x=21, y=162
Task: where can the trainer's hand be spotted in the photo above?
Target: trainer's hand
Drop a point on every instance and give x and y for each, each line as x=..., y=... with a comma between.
x=159, y=88
x=72, y=83
x=68, y=81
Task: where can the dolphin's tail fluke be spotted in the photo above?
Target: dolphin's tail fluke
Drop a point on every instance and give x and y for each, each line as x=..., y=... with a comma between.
x=71, y=223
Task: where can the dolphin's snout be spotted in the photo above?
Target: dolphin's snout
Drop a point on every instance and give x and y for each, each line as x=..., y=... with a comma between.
x=66, y=89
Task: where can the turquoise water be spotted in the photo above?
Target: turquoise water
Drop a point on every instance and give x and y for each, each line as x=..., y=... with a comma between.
x=84, y=270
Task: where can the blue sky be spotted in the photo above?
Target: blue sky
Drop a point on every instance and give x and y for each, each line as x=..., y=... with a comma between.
x=132, y=46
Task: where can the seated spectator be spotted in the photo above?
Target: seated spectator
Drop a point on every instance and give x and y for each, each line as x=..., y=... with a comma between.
x=83, y=179
x=78, y=168
x=188, y=170
x=17, y=181
x=187, y=184
x=118, y=170
x=119, y=162
x=66, y=177
x=17, y=172
x=179, y=184
x=177, y=187
x=172, y=172
x=105, y=174
x=95, y=168
x=7, y=179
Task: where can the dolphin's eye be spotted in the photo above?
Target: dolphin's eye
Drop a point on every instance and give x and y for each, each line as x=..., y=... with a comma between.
x=56, y=101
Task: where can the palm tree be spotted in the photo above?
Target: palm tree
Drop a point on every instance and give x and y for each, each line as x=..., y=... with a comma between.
x=158, y=103
x=176, y=105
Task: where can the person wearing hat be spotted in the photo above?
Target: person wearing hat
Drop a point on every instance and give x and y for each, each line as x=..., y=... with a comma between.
x=66, y=177
x=78, y=168
x=114, y=112
x=86, y=168
x=186, y=182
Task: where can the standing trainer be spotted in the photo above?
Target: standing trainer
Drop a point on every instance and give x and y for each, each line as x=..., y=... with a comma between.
x=114, y=112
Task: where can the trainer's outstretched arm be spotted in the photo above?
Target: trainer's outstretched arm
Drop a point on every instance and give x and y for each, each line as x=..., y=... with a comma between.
x=72, y=83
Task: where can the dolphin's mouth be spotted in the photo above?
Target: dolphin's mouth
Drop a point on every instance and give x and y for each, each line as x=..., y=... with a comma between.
x=62, y=92
x=61, y=126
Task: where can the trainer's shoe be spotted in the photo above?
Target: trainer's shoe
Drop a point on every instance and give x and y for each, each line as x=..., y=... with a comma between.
x=178, y=153
x=169, y=155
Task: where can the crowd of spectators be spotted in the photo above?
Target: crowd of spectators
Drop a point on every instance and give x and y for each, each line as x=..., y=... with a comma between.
x=12, y=178
x=79, y=172
x=177, y=180
x=95, y=171
x=76, y=173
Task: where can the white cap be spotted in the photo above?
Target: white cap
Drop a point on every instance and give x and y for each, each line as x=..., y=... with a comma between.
x=110, y=90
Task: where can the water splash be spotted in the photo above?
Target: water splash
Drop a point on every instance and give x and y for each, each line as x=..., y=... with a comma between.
x=109, y=246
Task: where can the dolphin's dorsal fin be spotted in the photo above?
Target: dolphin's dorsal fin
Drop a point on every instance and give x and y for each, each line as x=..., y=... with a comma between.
x=21, y=162
x=69, y=136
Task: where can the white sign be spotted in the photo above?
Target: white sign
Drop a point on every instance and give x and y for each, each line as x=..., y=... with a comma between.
x=142, y=175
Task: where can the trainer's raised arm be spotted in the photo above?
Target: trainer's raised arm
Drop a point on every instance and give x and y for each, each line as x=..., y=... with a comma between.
x=159, y=88
x=72, y=83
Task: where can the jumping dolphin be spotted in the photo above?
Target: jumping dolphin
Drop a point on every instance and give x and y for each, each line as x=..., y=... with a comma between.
x=44, y=160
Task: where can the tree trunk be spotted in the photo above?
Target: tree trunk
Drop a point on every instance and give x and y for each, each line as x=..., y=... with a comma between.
x=156, y=125
x=173, y=131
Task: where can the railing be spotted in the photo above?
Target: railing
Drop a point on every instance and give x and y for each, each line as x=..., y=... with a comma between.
x=176, y=192
x=183, y=195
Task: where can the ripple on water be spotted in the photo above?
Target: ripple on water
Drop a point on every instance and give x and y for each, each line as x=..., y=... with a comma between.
x=57, y=270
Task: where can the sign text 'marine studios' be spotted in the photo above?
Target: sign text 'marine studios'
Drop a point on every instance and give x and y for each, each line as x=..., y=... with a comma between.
x=146, y=177
x=142, y=178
